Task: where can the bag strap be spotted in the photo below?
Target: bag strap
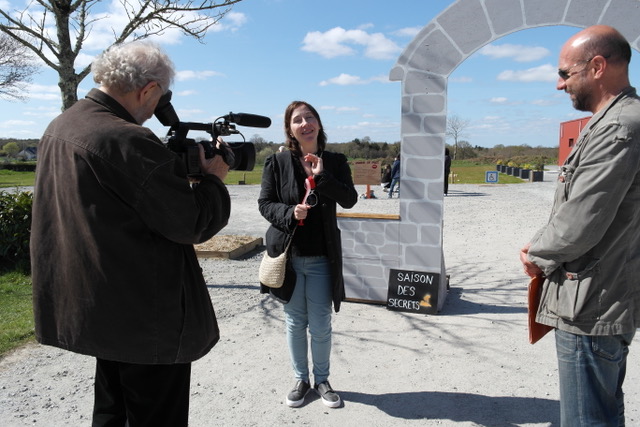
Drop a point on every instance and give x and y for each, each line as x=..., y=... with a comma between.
x=290, y=237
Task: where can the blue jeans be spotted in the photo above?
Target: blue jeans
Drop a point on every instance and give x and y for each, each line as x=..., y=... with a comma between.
x=591, y=371
x=310, y=308
x=394, y=181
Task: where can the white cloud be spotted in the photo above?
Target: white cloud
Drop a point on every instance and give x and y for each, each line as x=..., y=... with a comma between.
x=518, y=53
x=379, y=79
x=491, y=124
x=365, y=26
x=49, y=114
x=349, y=80
x=82, y=60
x=196, y=75
x=8, y=124
x=112, y=18
x=337, y=42
x=380, y=47
x=184, y=112
x=502, y=100
x=338, y=109
x=43, y=92
x=232, y=21
x=407, y=32
x=343, y=80
x=543, y=73
x=367, y=126
x=544, y=102
x=187, y=93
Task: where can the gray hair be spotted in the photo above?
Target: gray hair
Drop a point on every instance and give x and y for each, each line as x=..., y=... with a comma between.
x=130, y=66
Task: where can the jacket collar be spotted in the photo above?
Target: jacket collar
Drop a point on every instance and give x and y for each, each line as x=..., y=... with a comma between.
x=111, y=104
x=629, y=91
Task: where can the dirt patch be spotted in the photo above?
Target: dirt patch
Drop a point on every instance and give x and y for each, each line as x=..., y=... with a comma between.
x=227, y=246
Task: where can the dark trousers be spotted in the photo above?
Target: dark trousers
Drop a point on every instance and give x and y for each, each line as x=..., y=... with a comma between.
x=446, y=182
x=133, y=395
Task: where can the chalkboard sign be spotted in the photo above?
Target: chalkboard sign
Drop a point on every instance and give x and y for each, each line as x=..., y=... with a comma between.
x=413, y=291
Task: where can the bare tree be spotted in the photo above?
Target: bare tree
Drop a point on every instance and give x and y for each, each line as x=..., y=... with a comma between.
x=16, y=68
x=72, y=22
x=455, y=129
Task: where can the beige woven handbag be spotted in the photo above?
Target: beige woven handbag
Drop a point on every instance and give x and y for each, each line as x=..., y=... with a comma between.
x=272, y=269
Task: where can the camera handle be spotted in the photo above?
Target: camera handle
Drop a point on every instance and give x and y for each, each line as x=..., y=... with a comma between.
x=226, y=154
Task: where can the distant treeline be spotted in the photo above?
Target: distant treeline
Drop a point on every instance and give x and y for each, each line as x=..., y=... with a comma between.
x=22, y=143
x=385, y=152
x=356, y=149
x=366, y=149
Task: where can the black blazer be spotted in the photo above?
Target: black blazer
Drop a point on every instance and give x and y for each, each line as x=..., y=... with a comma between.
x=282, y=189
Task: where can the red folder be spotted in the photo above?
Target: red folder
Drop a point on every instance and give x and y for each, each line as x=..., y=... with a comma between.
x=536, y=330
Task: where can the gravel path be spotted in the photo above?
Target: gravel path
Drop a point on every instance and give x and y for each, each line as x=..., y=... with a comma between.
x=471, y=365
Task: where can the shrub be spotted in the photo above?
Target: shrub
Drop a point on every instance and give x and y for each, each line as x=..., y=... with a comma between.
x=15, y=230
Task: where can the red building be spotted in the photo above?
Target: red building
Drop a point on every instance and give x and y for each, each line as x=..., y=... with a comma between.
x=569, y=132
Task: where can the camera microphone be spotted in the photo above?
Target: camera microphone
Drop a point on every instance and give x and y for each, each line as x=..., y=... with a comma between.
x=251, y=120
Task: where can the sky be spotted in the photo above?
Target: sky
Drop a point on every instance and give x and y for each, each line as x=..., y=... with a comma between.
x=335, y=55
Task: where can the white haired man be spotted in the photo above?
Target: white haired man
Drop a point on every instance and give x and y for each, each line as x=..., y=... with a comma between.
x=115, y=275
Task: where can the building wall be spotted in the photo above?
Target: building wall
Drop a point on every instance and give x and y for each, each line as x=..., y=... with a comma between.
x=371, y=247
x=569, y=132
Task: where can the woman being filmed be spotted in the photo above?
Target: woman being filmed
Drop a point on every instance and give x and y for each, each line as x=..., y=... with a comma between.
x=300, y=189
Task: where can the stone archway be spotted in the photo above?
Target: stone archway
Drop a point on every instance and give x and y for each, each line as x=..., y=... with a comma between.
x=371, y=247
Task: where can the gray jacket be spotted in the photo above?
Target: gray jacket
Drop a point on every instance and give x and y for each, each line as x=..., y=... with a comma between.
x=590, y=249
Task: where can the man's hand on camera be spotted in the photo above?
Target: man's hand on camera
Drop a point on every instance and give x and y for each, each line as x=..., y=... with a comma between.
x=216, y=165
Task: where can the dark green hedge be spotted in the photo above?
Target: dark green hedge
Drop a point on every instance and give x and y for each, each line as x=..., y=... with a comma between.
x=15, y=229
x=19, y=167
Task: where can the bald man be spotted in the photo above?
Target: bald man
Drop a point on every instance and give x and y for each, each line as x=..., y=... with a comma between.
x=589, y=252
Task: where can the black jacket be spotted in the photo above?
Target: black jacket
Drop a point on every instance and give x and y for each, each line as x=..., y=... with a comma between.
x=283, y=188
x=114, y=271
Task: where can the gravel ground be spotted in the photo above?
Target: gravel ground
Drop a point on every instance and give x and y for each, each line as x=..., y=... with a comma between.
x=470, y=365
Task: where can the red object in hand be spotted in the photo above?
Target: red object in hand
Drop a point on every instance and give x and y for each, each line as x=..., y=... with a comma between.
x=309, y=185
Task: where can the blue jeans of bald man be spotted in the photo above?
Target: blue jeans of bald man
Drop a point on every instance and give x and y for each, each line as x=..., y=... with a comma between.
x=591, y=370
x=310, y=308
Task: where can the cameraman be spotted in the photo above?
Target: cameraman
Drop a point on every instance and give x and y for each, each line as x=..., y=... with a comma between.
x=115, y=274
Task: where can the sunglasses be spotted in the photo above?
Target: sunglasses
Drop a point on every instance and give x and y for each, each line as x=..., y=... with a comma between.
x=310, y=197
x=566, y=73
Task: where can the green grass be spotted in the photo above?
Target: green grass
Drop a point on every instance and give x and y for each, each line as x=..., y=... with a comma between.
x=249, y=178
x=16, y=179
x=26, y=179
x=468, y=173
x=474, y=173
x=16, y=312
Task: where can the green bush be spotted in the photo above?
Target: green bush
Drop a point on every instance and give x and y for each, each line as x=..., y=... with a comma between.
x=15, y=228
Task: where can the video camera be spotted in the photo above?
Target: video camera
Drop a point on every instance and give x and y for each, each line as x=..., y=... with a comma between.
x=239, y=156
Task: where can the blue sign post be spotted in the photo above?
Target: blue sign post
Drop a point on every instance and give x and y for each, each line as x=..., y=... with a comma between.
x=491, y=177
